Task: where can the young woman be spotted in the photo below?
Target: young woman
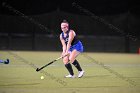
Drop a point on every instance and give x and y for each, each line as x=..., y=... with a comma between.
x=72, y=47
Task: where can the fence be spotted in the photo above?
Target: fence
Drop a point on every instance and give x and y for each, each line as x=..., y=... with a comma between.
x=52, y=43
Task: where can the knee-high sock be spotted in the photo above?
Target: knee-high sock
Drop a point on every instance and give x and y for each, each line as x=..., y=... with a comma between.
x=69, y=68
x=77, y=65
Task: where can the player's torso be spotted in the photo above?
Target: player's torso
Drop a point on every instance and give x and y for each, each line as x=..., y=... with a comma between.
x=65, y=36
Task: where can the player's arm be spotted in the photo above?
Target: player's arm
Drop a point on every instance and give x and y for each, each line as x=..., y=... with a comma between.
x=63, y=45
x=71, y=37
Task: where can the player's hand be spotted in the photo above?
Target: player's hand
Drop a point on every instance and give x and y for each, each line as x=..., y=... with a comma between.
x=66, y=53
x=63, y=54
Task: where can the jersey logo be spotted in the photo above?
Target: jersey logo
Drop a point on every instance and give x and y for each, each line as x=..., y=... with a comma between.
x=66, y=40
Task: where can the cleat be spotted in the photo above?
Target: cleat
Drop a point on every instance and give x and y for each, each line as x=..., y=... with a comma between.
x=81, y=73
x=70, y=76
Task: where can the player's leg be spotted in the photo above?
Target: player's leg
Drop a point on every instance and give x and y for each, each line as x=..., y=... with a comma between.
x=68, y=66
x=73, y=60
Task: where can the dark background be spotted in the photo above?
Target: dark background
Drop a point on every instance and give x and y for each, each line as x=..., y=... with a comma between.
x=35, y=24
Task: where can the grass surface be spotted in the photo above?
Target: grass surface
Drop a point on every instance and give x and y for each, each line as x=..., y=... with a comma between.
x=104, y=73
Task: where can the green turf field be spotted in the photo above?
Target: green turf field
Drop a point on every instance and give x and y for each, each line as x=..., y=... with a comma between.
x=104, y=73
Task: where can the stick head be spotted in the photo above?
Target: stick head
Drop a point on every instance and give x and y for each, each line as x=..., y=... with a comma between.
x=37, y=69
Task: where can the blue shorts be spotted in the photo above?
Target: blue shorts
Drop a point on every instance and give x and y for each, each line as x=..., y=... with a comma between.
x=78, y=46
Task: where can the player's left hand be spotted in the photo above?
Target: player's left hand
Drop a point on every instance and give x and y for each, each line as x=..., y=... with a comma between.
x=66, y=53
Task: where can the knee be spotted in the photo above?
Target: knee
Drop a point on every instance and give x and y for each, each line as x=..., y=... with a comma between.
x=65, y=60
x=71, y=59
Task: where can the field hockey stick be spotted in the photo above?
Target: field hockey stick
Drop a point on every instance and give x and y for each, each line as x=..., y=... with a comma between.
x=38, y=69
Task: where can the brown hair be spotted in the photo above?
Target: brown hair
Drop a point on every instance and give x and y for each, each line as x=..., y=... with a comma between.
x=65, y=21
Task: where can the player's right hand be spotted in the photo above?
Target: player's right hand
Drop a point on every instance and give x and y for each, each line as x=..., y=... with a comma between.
x=63, y=54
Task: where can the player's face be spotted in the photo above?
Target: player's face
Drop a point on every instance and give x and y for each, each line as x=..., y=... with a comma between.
x=64, y=27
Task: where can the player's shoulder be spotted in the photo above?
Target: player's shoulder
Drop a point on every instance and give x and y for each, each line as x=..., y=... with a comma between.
x=72, y=31
x=60, y=35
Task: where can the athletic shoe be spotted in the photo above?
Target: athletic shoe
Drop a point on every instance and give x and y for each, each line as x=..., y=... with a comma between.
x=81, y=73
x=70, y=76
